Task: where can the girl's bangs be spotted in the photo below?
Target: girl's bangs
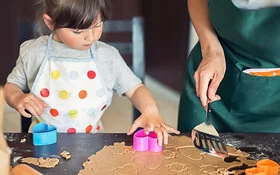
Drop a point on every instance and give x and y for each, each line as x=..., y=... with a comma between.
x=79, y=15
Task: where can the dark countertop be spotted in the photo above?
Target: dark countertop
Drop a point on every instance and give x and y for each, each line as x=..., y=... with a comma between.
x=81, y=146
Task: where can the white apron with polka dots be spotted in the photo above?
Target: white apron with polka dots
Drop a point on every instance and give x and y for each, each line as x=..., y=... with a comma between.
x=74, y=92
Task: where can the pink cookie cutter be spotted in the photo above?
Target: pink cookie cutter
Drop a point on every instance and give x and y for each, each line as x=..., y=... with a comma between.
x=143, y=142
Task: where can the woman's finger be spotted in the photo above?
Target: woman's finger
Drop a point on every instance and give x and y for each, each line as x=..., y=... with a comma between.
x=204, y=82
x=213, y=87
x=196, y=79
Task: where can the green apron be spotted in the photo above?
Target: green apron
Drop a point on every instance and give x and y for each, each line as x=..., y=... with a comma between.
x=250, y=39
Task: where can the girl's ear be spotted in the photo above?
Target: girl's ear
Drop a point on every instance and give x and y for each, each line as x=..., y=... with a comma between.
x=48, y=21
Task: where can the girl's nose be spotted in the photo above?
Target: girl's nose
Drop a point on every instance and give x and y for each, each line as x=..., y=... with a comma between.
x=89, y=35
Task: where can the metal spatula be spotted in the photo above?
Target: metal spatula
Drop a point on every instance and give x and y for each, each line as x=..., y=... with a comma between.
x=206, y=138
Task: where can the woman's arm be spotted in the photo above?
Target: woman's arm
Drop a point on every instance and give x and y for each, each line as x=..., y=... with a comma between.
x=150, y=118
x=212, y=67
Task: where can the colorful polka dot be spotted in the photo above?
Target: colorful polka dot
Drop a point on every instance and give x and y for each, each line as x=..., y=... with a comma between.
x=54, y=112
x=83, y=94
x=89, y=128
x=73, y=113
x=45, y=92
x=91, y=112
x=71, y=131
x=103, y=107
x=98, y=128
x=74, y=75
x=55, y=74
x=63, y=94
x=91, y=74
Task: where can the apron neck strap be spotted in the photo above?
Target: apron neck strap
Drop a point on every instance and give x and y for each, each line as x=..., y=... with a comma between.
x=49, y=45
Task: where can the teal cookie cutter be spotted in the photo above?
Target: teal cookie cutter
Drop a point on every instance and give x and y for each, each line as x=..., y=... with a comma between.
x=44, y=134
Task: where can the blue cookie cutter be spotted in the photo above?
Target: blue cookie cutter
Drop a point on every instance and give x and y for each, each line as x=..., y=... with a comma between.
x=44, y=134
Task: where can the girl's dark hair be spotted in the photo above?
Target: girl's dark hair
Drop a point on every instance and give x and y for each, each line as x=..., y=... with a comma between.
x=75, y=14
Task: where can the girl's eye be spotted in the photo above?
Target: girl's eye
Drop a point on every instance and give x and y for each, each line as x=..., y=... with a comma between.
x=77, y=32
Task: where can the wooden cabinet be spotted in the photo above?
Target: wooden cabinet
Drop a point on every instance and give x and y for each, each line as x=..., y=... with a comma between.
x=166, y=35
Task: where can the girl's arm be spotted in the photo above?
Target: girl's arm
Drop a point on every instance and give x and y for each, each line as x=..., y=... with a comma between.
x=25, y=104
x=212, y=66
x=150, y=118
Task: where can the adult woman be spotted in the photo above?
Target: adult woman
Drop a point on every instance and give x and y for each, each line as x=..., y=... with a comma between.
x=234, y=35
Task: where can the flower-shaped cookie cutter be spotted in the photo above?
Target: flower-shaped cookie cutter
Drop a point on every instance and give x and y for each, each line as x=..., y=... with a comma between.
x=143, y=142
x=44, y=134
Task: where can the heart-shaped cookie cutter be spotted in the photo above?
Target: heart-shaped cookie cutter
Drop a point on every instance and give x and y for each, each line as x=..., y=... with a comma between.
x=44, y=134
x=143, y=142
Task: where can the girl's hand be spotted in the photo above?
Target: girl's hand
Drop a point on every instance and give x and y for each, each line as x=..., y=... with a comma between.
x=153, y=123
x=28, y=105
x=208, y=77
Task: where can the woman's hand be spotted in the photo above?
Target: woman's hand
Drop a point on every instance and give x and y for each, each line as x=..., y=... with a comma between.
x=212, y=67
x=208, y=77
x=153, y=123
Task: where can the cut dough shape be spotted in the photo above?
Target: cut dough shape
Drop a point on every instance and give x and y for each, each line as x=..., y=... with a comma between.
x=41, y=162
x=66, y=155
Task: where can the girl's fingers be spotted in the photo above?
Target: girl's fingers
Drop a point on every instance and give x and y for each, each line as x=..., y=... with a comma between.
x=132, y=129
x=171, y=129
x=32, y=107
x=147, y=130
x=161, y=130
x=24, y=113
x=159, y=135
x=37, y=104
x=31, y=110
x=165, y=135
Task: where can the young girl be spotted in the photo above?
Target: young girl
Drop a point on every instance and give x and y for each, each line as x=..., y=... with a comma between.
x=71, y=75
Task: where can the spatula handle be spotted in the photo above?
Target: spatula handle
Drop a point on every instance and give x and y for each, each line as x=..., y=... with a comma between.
x=208, y=114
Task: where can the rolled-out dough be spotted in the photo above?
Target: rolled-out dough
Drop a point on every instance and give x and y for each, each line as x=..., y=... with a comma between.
x=178, y=157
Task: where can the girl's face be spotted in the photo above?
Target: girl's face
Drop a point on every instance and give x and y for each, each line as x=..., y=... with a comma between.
x=79, y=39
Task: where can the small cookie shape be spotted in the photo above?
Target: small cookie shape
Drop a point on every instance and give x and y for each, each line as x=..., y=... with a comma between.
x=66, y=155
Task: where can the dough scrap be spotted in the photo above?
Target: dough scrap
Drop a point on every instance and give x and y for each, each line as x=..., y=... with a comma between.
x=66, y=155
x=41, y=162
x=23, y=140
x=179, y=156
